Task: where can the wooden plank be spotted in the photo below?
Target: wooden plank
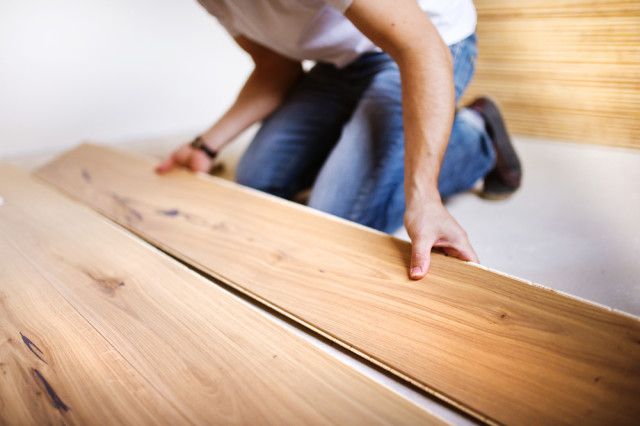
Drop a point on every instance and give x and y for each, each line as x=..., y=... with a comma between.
x=49, y=353
x=501, y=349
x=174, y=349
x=562, y=69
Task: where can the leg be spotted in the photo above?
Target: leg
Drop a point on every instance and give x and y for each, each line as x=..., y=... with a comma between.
x=470, y=154
x=360, y=178
x=363, y=177
x=294, y=141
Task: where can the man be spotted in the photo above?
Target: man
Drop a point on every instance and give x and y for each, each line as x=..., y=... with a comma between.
x=368, y=126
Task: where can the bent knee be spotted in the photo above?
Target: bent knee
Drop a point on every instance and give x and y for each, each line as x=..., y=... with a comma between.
x=263, y=180
x=247, y=176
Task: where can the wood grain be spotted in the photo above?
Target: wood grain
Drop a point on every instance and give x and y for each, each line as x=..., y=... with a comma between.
x=564, y=69
x=56, y=368
x=501, y=349
x=130, y=336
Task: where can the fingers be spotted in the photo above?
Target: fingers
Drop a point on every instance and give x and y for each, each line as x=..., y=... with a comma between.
x=185, y=156
x=166, y=165
x=462, y=250
x=178, y=158
x=421, y=254
x=420, y=257
x=446, y=234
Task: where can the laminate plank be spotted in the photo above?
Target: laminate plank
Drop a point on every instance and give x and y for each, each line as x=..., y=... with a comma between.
x=206, y=356
x=501, y=349
x=55, y=367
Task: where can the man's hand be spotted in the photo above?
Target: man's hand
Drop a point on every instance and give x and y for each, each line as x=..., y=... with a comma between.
x=186, y=156
x=430, y=225
x=406, y=33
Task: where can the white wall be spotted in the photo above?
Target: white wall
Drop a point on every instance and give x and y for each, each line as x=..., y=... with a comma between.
x=110, y=71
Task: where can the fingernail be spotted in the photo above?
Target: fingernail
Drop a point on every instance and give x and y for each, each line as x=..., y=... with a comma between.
x=416, y=271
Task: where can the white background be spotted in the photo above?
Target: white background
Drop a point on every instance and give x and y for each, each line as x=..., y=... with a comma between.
x=110, y=71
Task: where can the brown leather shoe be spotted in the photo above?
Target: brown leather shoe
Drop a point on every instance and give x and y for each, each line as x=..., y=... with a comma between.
x=504, y=179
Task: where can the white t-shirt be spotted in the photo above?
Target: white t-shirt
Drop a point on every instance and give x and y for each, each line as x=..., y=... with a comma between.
x=317, y=29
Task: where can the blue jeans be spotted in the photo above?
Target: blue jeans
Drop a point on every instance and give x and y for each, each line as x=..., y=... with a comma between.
x=340, y=133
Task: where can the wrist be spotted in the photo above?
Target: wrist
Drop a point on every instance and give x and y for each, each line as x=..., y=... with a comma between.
x=422, y=192
x=200, y=143
x=421, y=179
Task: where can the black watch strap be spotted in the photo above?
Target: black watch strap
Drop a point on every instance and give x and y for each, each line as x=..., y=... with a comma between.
x=198, y=143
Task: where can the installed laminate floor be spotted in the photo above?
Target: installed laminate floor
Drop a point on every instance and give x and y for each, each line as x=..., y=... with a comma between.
x=572, y=226
x=499, y=348
x=158, y=148
x=100, y=328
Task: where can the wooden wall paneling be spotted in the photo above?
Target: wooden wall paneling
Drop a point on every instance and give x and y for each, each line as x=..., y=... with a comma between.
x=184, y=351
x=501, y=349
x=562, y=69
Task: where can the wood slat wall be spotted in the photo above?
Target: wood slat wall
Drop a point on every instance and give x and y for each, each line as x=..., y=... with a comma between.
x=562, y=69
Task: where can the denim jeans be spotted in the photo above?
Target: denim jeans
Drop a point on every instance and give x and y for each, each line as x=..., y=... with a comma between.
x=340, y=133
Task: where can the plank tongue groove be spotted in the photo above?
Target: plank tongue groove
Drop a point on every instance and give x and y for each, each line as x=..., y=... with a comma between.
x=99, y=328
x=499, y=348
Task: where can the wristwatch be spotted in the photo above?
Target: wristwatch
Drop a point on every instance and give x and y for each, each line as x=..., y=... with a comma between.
x=198, y=143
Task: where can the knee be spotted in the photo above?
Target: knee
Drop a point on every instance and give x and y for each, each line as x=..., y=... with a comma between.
x=372, y=210
x=262, y=176
x=247, y=176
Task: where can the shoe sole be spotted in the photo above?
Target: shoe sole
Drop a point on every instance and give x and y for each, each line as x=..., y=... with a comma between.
x=508, y=166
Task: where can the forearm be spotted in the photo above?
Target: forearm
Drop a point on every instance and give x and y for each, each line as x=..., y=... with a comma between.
x=428, y=103
x=428, y=97
x=262, y=93
x=401, y=29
